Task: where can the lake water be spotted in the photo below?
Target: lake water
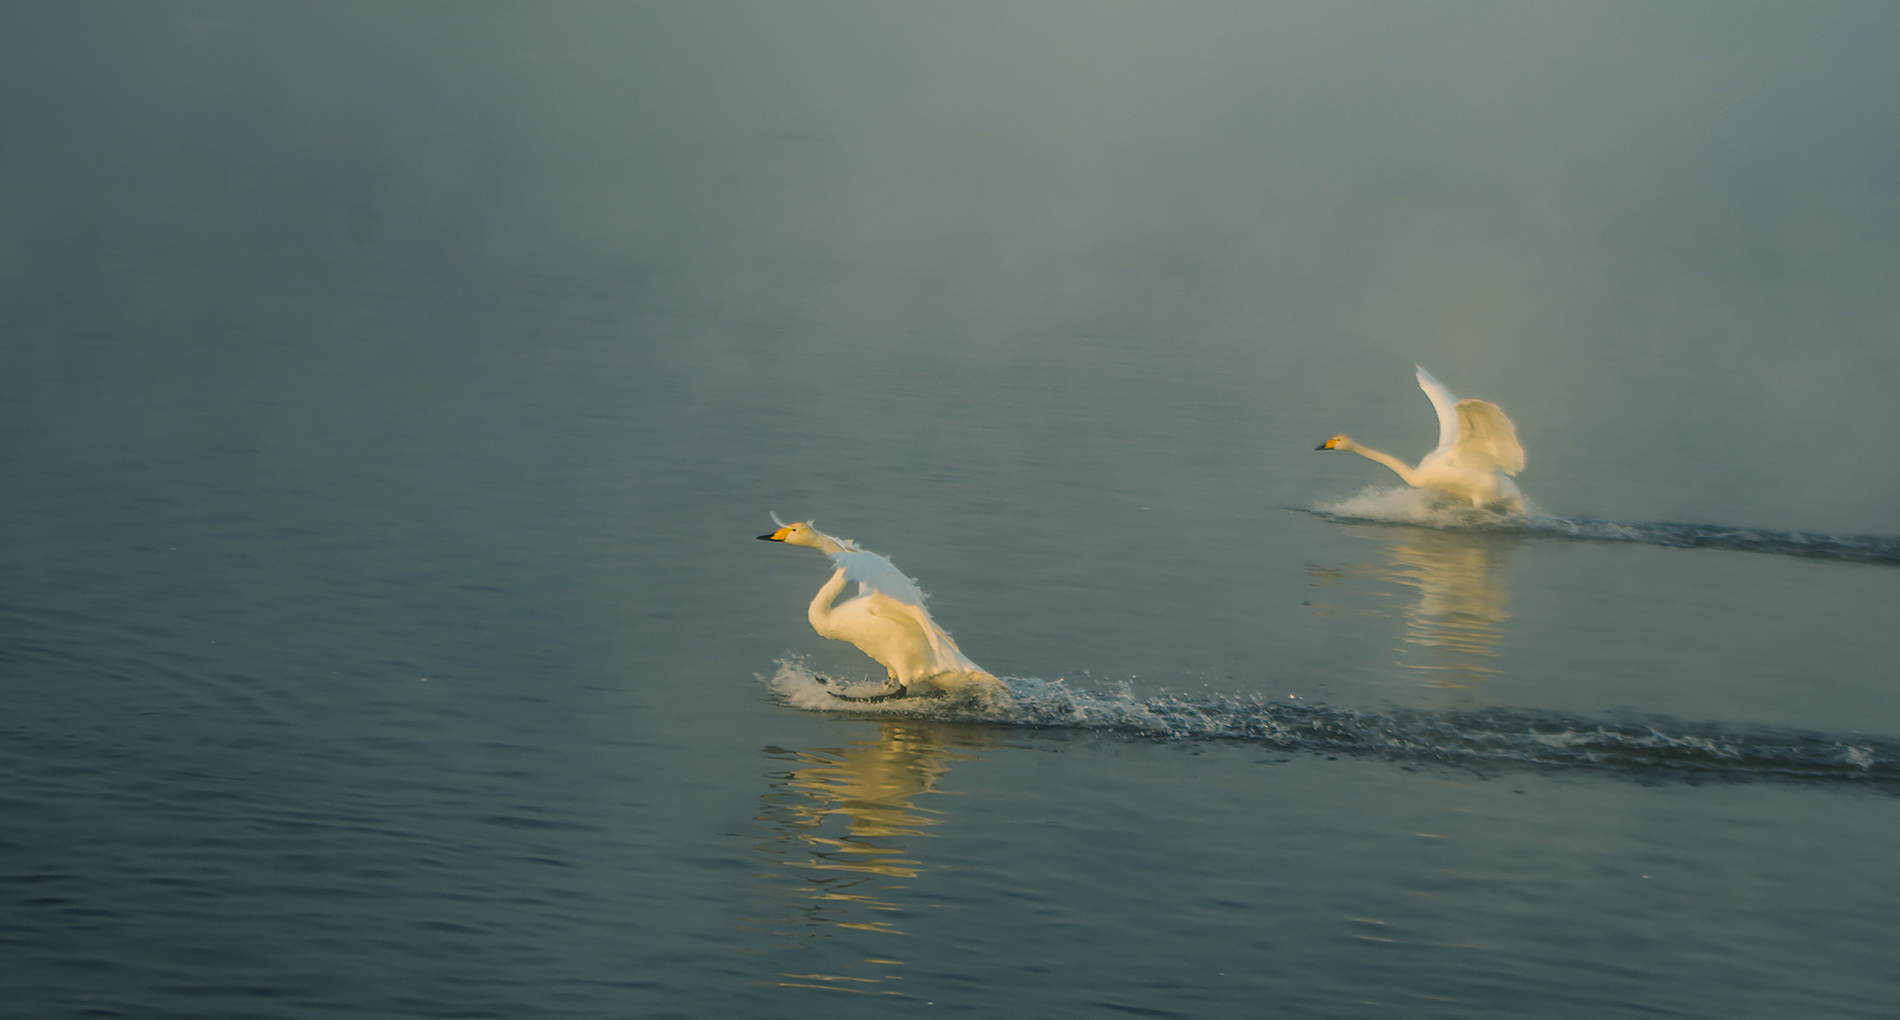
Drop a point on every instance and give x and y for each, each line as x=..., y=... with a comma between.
x=390, y=397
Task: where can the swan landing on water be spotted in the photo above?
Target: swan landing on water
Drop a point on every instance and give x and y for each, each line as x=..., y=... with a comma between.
x=1477, y=451
x=887, y=620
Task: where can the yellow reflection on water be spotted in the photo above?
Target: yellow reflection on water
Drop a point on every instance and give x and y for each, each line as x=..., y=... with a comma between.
x=1454, y=600
x=1453, y=627
x=845, y=822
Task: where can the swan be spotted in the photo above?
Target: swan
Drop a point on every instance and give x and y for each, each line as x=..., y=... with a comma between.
x=887, y=620
x=1477, y=451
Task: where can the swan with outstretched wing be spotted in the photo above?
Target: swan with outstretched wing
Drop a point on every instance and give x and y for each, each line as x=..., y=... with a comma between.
x=1477, y=451
x=886, y=620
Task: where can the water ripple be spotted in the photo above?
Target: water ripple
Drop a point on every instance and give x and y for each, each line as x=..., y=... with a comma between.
x=1415, y=508
x=1649, y=748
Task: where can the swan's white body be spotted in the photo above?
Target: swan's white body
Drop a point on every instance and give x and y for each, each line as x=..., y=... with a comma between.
x=886, y=619
x=1477, y=451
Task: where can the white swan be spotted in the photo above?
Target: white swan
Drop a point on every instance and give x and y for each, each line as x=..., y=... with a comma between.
x=1477, y=451
x=887, y=621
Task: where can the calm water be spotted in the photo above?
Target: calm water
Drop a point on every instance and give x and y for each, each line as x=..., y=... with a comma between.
x=389, y=397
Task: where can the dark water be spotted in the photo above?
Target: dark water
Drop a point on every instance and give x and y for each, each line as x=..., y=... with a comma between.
x=1881, y=549
x=1646, y=750
x=389, y=397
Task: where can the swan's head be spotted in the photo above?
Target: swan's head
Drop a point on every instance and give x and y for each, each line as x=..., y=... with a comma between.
x=795, y=533
x=1338, y=442
x=802, y=533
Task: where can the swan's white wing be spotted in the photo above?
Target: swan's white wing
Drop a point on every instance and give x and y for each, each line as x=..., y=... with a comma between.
x=1447, y=407
x=1487, y=441
x=895, y=597
x=874, y=573
x=944, y=654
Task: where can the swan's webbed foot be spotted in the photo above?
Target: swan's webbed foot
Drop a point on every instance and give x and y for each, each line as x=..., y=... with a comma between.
x=885, y=695
x=891, y=692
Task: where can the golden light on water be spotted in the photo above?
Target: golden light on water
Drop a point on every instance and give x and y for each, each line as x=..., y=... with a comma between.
x=845, y=821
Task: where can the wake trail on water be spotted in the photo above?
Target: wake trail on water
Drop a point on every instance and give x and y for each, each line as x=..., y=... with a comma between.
x=1418, y=508
x=1653, y=748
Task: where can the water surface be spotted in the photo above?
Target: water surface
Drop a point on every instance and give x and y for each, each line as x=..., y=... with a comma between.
x=389, y=398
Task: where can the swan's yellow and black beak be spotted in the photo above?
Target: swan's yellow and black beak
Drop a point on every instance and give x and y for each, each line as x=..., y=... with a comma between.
x=776, y=536
x=1327, y=445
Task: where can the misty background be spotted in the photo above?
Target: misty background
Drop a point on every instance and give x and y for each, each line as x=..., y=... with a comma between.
x=1662, y=235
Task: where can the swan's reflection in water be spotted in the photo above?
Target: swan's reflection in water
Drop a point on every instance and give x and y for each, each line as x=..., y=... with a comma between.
x=1453, y=627
x=845, y=823
x=1455, y=600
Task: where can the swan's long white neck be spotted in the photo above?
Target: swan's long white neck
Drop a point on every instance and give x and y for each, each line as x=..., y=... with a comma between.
x=819, y=612
x=827, y=545
x=1404, y=470
x=820, y=541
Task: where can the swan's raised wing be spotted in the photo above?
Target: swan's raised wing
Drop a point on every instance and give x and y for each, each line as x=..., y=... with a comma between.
x=895, y=597
x=1447, y=407
x=945, y=656
x=874, y=573
x=890, y=594
x=1487, y=441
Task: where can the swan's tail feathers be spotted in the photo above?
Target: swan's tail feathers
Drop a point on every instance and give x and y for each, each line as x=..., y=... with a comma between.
x=1486, y=438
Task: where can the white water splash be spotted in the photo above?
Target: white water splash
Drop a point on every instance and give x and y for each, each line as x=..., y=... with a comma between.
x=1426, y=508
x=1422, y=508
x=797, y=685
x=1482, y=738
x=1029, y=702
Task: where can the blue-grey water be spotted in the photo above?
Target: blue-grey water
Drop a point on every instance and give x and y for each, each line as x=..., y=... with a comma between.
x=390, y=395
